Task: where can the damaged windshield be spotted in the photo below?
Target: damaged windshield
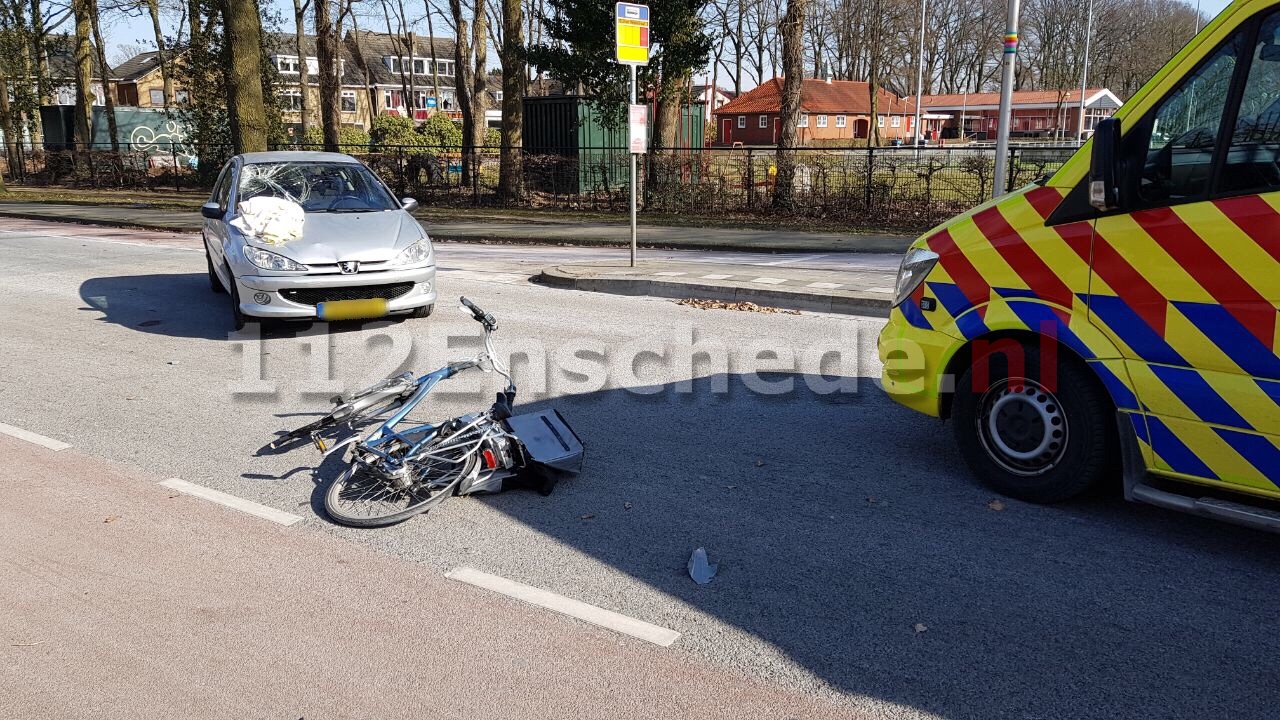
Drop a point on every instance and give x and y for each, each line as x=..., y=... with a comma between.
x=317, y=187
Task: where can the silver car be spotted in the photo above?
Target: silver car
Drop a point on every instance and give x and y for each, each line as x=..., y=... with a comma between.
x=357, y=253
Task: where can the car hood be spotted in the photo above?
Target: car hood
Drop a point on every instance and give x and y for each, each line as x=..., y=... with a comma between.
x=328, y=238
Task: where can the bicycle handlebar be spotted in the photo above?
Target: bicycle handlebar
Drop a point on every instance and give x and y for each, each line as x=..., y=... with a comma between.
x=479, y=314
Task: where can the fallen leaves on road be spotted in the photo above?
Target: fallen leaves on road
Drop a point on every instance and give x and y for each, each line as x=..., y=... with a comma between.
x=111, y=518
x=588, y=516
x=702, y=304
x=921, y=627
x=626, y=506
x=996, y=505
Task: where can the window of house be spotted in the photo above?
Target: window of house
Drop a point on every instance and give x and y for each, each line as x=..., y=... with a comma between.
x=419, y=66
x=392, y=63
x=895, y=121
x=764, y=121
x=287, y=64
x=181, y=97
x=348, y=101
x=742, y=121
x=879, y=121
x=822, y=121
x=840, y=121
x=157, y=97
x=291, y=101
x=444, y=67
x=498, y=96
x=804, y=121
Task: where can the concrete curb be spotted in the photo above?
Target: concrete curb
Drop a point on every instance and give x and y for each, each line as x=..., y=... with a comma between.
x=847, y=303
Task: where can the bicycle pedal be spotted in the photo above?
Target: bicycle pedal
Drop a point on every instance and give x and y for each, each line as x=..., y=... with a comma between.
x=319, y=442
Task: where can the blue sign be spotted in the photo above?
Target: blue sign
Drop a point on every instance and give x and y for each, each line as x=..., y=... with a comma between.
x=431, y=102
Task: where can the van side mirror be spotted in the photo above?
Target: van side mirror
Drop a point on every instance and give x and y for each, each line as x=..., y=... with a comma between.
x=1105, y=168
x=211, y=210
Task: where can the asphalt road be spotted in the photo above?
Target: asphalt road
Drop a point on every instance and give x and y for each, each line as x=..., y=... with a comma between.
x=859, y=563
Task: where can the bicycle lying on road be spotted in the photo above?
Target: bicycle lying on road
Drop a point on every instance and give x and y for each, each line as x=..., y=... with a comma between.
x=394, y=474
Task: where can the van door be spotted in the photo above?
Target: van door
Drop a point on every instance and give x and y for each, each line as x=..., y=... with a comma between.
x=1188, y=279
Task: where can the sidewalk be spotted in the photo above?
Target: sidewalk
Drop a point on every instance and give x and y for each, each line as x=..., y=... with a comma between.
x=852, y=292
x=505, y=230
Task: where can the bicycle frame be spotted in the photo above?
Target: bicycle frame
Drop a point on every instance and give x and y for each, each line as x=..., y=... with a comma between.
x=387, y=432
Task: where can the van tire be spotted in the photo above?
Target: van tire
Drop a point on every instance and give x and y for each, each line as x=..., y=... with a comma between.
x=1030, y=441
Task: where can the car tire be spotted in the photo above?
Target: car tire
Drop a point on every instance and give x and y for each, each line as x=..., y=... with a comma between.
x=238, y=318
x=1040, y=438
x=422, y=312
x=214, y=283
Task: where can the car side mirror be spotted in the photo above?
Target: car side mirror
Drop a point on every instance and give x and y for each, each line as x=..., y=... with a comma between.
x=211, y=210
x=1105, y=170
x=409, y=204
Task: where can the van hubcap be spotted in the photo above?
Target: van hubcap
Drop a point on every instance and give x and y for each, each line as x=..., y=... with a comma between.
x=1022, y=426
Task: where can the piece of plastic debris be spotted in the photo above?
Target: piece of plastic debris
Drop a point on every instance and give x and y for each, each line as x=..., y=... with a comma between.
x=996, y=505
x=588, y=516
x=173, y=362
x=700, y=569
x=626, y=506
x=921, y=627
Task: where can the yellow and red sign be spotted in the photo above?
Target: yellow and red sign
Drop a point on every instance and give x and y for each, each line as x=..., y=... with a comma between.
x=632, y=22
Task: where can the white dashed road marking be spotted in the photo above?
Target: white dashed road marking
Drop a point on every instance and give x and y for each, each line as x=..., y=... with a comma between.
x=655, y=634
x=231, y=501
x=825, y=286
x=33, y=438
x=770, y=281
x=671, y=273
x=716, y=277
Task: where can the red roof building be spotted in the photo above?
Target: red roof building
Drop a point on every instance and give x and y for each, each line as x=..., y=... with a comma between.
x=1036, y=113
x=831, y=111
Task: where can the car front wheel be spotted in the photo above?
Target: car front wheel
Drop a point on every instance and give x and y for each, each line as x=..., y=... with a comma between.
x=238, y=318
x=1041, y=433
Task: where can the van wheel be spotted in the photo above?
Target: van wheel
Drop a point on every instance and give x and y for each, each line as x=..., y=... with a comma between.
x=1041, y=438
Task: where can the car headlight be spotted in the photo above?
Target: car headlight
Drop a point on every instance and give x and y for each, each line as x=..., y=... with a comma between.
x=916, y=265
x=270, y=261
x=415, y=254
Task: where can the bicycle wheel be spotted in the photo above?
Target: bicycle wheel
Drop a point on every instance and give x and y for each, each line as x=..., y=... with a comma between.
x=362, y=497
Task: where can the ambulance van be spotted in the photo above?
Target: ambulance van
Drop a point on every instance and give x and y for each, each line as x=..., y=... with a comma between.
x=1119, y=319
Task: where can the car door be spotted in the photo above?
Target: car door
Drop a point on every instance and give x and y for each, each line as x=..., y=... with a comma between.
x=215, y=231
x=1188, y=279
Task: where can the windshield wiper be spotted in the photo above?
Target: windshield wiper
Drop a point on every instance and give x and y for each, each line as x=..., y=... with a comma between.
x=351, y=210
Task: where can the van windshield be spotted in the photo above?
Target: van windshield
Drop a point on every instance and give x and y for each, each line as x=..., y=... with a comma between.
x=317, y=187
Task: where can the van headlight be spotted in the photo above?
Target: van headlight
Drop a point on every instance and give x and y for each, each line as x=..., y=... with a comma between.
x=916, y=265
x=270, y=261
x=415, y=254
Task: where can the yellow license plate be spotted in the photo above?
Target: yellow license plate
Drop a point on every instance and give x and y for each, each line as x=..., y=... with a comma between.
x=352, y=309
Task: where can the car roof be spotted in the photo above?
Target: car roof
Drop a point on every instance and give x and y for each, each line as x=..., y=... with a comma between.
x=296, y=156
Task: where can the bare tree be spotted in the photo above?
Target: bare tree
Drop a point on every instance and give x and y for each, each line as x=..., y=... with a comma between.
x=792, y=29
x=514, y=80
x=109, y=102
x=162, y=55
x=327, y=60
x=245, y=103
x=304, y=73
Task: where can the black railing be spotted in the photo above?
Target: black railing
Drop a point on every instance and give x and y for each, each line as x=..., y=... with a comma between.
x=881, y=187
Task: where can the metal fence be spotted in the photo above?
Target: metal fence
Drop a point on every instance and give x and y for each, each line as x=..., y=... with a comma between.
x=880, y=187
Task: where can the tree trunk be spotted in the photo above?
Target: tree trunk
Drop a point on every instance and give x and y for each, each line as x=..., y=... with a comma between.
x=245, y=104
x=479, y=94
x=514, y=81
x=166, y=73
x=327, y=58
x=435, y=65
x=108, y=100
x=83, y=134
x=464, y=83
x=9, y=126
x=304, y=76
x=792, y=28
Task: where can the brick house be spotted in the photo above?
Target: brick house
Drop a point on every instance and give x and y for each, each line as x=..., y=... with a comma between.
x=353, y=97
x=832, y=113
x=140, y=83
x=1036, y=113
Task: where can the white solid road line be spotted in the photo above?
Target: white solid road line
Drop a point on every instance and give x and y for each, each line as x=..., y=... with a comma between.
x=33, y=438
x=231, y=501
x=567, y=606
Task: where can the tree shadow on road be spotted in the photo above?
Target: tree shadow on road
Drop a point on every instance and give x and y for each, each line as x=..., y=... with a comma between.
x=851, y=539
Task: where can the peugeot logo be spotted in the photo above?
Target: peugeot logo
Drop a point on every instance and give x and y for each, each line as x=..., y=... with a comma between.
x=349, y=267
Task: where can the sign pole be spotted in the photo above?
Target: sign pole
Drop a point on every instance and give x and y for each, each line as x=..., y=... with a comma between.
x=633, y=176
x=1005, y=118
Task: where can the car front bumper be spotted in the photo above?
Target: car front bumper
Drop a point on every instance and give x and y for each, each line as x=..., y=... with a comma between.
x=278, y=296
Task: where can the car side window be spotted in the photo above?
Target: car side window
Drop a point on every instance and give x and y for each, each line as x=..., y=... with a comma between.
x=1184, y=131
x=224, y=189
x=1253, y=158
